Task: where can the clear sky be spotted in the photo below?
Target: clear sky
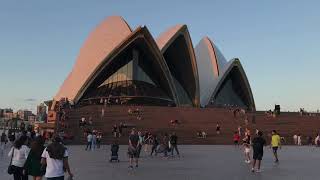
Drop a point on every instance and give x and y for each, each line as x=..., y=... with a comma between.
x=278, y=42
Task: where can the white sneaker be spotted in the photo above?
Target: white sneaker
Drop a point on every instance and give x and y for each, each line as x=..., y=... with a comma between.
x=252, y=169
x=258, y=171
x=248, y=161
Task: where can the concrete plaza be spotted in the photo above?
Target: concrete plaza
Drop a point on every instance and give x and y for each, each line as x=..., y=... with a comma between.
x=205, y=162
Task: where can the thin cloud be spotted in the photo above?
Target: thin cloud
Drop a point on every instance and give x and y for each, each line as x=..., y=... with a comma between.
x=30, y=100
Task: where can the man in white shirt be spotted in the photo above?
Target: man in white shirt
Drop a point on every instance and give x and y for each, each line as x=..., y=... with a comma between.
x=89, y=141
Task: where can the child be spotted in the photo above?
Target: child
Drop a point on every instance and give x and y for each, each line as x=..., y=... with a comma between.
x=236, y=139
x=247, y=149
x=114, y=151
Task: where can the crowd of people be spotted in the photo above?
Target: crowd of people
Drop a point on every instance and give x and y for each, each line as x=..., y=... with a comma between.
x=94, y=139
x=257, y=143
x=137, y=141
x=152, y=144
x=148, y=143
x=30, y=156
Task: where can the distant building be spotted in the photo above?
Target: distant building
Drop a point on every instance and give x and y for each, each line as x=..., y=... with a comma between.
x=8, y=114
x=41, y=112
x=1, y=113
x=24, y=114
x=41, y=109
x=32, y=118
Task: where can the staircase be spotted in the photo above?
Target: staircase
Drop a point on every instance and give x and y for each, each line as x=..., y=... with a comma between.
x=157, y=120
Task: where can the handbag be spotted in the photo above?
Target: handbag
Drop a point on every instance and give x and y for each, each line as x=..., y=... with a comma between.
x=11, y=168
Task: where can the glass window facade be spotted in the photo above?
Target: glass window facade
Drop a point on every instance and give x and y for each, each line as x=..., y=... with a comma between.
x=180, y=65
x=123, y=74
x=130, y=81
x=184, y=98
x=232, y=92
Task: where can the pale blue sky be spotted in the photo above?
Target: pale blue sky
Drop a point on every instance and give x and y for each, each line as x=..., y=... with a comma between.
x=276, y=41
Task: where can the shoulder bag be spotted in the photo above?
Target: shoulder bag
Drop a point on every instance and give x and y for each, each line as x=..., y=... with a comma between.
x=11, y=168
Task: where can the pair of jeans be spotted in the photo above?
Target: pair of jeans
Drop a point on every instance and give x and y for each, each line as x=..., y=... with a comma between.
x=89, y=145
x=56, y=178
x=93, y=146
x=174, y=147
x=18, y=174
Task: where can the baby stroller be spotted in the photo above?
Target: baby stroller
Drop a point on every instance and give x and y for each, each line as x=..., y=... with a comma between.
x=114, y=153
x=163, y=149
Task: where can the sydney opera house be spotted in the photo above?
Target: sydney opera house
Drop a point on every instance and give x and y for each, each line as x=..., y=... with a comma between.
x=130, y=66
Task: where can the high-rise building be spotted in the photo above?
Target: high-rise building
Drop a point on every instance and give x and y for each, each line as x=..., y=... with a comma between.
x=41, y=109
x=1, y=113
x=24, y=114
x=8, y=114
x=32, y=118
x=41, y=112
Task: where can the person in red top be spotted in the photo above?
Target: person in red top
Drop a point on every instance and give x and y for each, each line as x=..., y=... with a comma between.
x=236, y=138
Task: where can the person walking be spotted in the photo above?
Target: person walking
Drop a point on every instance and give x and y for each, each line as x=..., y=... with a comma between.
x=99, y=138
x=33, y=163
x=12, y=137
x=155, y=144
x=275, y=144
x=55, y=158
x=19, y=154
x=133, y=148
x=3, y=142
x=174, y=142
x=89, y=141
x=147, y=142
x=140, y=144
x=246, y=148
x=317, y=140
x=309, y=140
x=94, y=141
x=295, y=139
x=236, y=139
x=258, y=143
x=299, y=140
x=165, y=144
